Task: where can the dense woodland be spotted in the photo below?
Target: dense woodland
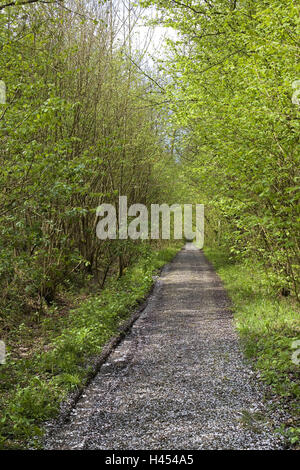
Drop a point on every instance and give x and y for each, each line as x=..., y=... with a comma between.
x=89, y=116
x=233, y=77
x=84, y=124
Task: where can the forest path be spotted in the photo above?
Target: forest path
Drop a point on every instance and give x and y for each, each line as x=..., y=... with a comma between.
x=178, y=380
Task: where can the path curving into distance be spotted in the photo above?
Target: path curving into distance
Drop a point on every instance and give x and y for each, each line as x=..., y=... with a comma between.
x=178, y=380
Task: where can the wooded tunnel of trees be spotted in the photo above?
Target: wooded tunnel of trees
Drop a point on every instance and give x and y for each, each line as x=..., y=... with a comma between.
x=94, y=111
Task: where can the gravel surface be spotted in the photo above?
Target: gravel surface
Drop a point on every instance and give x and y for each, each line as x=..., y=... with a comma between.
x=178, y=380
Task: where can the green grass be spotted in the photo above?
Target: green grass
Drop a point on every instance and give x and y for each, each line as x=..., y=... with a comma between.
x=32, y=387
x=268, y=324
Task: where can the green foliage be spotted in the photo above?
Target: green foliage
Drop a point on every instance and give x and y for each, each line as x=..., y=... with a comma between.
x=80, y=127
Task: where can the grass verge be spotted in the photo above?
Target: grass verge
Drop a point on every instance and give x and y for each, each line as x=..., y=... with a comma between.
x=268, y=326
x=32, y=387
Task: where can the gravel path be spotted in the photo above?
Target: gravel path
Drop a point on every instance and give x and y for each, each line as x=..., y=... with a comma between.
x=178, y=380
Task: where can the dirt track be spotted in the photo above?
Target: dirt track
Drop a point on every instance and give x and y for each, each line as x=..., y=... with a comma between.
x=178, y=380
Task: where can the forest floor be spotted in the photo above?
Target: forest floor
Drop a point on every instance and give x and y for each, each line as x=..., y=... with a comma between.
x=179, y=380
